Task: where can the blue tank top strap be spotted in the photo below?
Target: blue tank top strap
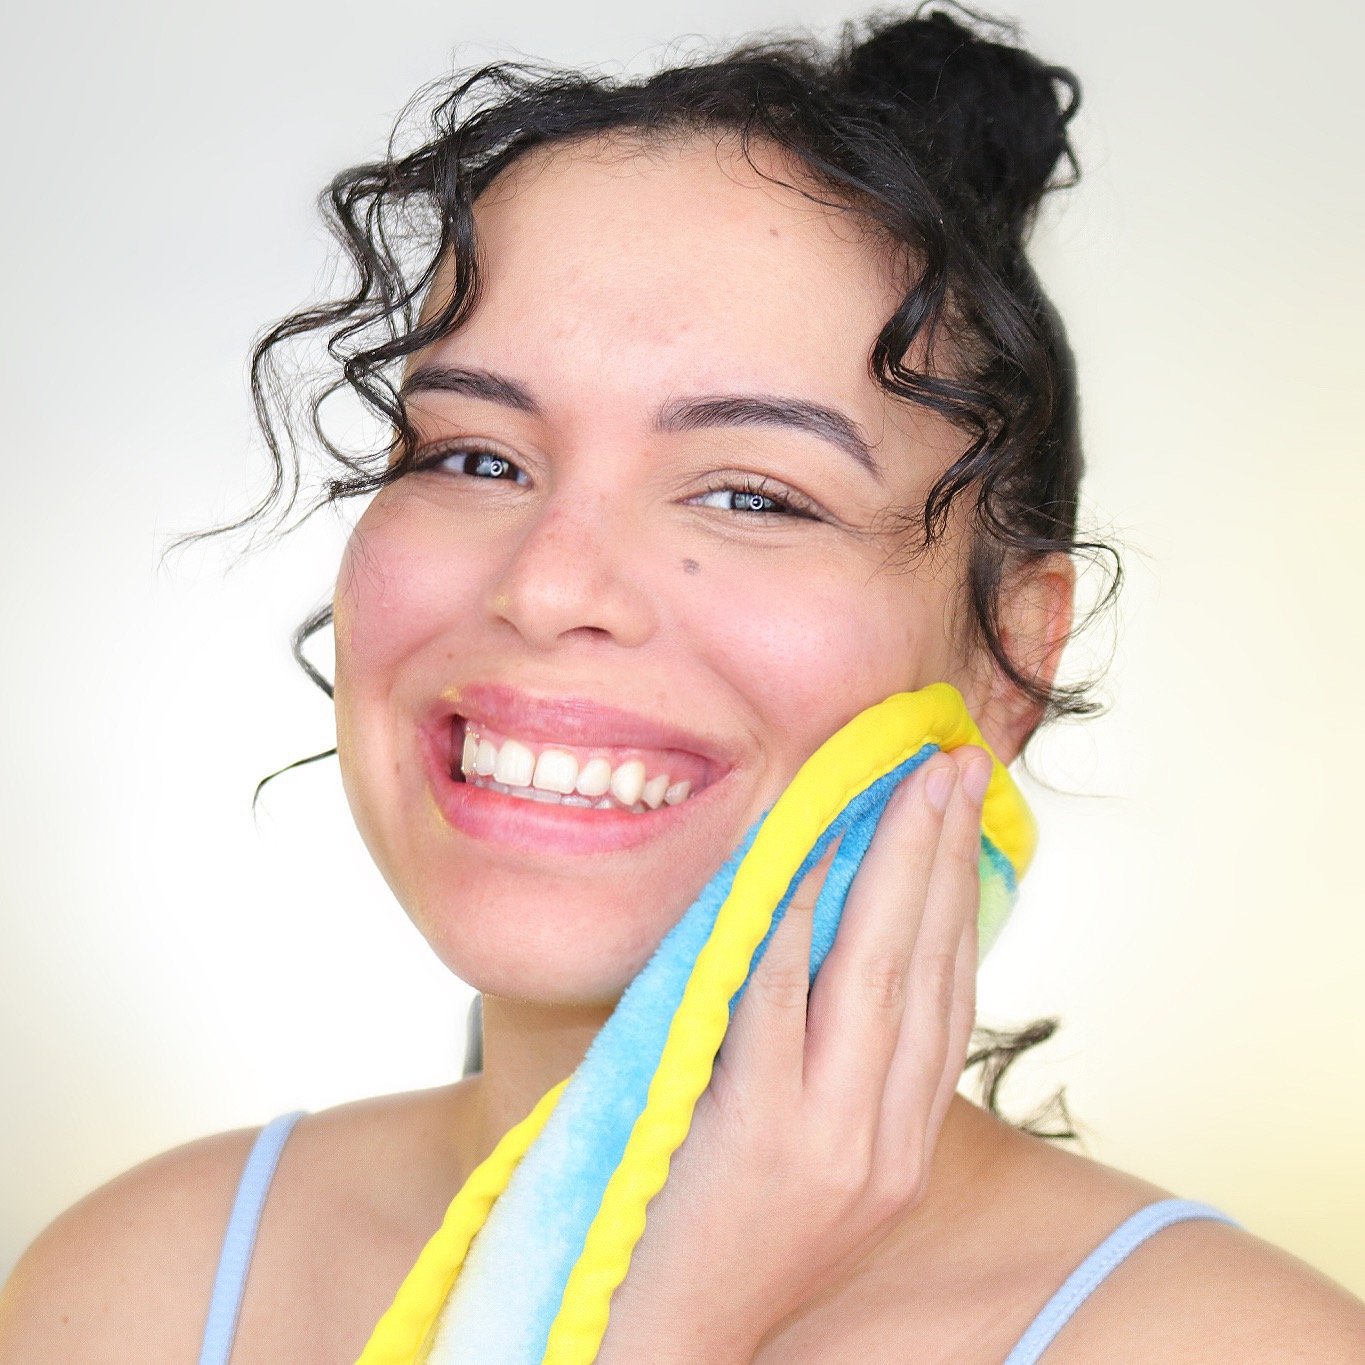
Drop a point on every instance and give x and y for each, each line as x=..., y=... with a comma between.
x=1082, y=1281
x=240, y=1239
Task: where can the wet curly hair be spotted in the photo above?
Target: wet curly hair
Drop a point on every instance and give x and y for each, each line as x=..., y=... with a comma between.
x=935, y=131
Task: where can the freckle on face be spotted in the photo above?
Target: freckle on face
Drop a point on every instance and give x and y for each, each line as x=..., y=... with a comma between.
x=690, y=566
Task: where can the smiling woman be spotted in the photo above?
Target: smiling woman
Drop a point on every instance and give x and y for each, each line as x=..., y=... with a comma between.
x=720, y=407
x=630, y=400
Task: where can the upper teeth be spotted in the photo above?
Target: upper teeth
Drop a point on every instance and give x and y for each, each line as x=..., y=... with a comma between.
x=514, y=764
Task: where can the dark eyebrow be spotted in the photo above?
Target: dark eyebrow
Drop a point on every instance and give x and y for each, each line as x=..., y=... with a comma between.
x=473, y=383
x=678, y=414
x=752, y=409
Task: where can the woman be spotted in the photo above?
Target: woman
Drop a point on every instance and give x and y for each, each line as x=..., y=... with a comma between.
x=724, y=405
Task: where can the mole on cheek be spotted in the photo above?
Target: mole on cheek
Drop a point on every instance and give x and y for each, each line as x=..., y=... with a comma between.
x=690, y=566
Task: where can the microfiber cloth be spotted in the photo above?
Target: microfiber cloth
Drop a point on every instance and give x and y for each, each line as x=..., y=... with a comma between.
x=522, y=1270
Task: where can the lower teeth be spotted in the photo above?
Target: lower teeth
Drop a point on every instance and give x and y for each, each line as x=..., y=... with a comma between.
x=554, y=798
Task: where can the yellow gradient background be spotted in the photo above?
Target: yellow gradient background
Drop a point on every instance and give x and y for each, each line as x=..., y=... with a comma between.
x=1194, y=914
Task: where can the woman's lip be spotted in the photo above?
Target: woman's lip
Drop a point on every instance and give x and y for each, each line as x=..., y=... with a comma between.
x=538, y=827
x=580, y=722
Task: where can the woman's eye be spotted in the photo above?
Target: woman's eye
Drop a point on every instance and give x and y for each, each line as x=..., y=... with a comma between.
x=478, y=464
x=749, y=497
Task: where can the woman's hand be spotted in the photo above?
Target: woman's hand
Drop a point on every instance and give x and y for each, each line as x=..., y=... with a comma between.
x=816, y=1134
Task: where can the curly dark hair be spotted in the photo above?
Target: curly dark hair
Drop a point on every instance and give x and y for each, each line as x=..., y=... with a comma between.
x=934, y=131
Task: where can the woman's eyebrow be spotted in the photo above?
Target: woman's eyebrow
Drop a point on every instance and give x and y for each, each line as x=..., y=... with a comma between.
x=678, y=414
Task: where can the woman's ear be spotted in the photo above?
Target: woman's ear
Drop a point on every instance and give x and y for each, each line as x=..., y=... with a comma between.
x=1036, y=608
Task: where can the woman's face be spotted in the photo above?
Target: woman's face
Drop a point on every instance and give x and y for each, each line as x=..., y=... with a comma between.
x=609, y=561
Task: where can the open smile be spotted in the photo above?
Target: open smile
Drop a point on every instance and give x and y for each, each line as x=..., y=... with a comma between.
x=545, y=794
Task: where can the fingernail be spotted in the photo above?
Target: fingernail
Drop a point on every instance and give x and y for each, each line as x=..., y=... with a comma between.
x=976, y=779
x=938, y=786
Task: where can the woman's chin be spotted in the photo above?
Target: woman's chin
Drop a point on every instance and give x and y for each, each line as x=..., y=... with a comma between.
x=571, y=944
x=536, y=968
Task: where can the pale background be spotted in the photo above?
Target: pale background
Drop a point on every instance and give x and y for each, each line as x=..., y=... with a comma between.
x=171, y=969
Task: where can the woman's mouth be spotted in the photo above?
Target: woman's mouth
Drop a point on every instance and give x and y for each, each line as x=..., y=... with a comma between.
x=547, y=796
x=589, y=778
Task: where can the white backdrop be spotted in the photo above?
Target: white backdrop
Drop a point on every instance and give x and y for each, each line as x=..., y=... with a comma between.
x=171, y=969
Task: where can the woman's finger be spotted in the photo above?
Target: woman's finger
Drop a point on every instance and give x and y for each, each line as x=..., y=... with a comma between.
x=921, y=1077
x=960, y=1030
x=766, y=1041
x=859, y=995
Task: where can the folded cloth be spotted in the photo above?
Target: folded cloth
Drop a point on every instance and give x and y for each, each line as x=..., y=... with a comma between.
x=523, y=1268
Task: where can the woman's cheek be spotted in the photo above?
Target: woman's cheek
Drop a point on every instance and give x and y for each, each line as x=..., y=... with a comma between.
x=394, y=590
x=389, y=603
x=801, y=647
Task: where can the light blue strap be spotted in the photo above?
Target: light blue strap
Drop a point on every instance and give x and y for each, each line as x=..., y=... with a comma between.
x=240, y=1239
x=1082, y=1281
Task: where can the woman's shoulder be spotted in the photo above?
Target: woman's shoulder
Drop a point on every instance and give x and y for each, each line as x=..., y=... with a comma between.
x=135, y=1259
x=1197, y=1289
x=131, y=1261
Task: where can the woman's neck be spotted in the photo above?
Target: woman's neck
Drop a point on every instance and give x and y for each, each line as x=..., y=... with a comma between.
x=527, y=1050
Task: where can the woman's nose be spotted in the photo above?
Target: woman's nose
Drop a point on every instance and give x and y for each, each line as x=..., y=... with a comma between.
x=576, y=568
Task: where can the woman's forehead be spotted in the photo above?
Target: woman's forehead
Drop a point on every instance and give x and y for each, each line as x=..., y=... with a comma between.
x=672, y=264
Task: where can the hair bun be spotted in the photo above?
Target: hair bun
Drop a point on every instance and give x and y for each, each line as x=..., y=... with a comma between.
x=980, y=113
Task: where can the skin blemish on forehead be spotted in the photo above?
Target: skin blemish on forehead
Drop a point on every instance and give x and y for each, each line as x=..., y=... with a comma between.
x=690, y=566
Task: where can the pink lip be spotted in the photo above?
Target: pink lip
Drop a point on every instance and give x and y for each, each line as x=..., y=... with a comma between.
x=578, y=720
x=536, y=828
